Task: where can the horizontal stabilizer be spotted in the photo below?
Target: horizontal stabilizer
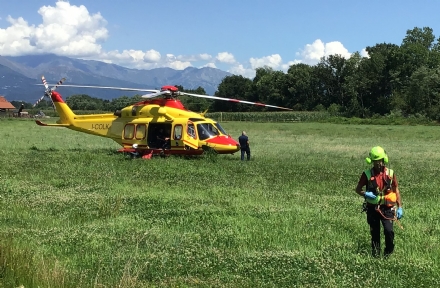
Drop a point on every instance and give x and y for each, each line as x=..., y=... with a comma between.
x=53, y=125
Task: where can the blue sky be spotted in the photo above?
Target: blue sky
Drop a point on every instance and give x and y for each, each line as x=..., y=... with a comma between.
x=236, y=36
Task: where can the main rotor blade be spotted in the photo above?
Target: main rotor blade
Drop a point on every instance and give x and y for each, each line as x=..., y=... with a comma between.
x=59, y=83
x=236, y=101
x=44, y=82
x=149, y=96
x=114, y=88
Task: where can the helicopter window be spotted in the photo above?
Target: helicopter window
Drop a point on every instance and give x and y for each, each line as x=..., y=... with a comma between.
x=178, y=132
x=220, y=128
x=191, y=130
x=129, y=131
x=141, y=131
x=207, y=130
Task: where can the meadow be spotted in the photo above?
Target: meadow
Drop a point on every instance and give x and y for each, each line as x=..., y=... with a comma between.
x=74, y=213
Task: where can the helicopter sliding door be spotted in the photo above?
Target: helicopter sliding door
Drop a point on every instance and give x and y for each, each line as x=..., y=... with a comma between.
x=159, y=135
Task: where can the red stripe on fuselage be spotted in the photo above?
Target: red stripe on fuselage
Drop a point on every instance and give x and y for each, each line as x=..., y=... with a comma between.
x=222, y=140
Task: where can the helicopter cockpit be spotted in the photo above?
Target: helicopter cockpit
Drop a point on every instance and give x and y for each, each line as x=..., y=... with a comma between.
x=208, y=130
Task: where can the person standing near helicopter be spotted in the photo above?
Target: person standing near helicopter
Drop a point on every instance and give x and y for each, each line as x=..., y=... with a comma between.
x=164, y=140
x=381, y=195
x=244, y=146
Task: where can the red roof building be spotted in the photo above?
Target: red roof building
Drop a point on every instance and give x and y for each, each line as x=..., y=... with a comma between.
x=4, y=104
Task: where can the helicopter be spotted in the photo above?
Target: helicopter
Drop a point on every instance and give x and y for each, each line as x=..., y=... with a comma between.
x=155, y=126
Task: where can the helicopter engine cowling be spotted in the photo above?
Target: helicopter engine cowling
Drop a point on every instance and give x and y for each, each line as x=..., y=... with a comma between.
x=162, y=111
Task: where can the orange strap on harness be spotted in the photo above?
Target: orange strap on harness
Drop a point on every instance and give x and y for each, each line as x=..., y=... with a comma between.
x=392, y=219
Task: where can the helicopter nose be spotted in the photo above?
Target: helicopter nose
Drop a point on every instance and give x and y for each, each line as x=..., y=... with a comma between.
x=223, y=144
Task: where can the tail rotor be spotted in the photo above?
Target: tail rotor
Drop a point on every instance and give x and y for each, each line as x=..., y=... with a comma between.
x=48, y=91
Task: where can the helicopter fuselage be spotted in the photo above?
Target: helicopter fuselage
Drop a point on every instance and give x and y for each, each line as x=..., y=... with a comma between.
x=158, y=126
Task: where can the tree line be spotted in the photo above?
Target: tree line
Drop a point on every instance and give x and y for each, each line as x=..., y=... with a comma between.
x=395, y=78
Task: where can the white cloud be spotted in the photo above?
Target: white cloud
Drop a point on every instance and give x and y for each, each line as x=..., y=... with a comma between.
x=194, y=58
x=66, y=29
x=286, y=66
x=274, y=61
x=364, y=53
x=225, y=57
x=179, y=65
x=312, y=53
x=152, y=56
x=73, y=31
x=239, y=69
x=131, y=58
x=210, y=65
x=205, y=57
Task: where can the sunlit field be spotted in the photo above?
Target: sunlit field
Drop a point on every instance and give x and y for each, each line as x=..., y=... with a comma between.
x=74, y=213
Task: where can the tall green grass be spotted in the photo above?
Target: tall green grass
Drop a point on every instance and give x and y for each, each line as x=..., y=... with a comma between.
x=76, y=214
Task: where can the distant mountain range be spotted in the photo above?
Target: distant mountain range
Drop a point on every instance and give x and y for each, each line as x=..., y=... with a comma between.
x=18, y=76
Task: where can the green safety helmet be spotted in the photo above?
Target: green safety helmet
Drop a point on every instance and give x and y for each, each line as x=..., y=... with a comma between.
x=377, y=153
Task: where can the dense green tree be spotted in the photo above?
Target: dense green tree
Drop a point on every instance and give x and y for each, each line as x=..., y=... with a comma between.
x=382, y=77
x=235, y=87
x=332, y=72
x=423, y=93
x=302, y=87
x=271, y=88
x=355, y=87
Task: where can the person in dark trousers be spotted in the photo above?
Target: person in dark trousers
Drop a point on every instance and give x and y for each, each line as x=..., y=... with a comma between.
x=244, y=146
x=164, y=140
x=20, y=110
x=381, y=195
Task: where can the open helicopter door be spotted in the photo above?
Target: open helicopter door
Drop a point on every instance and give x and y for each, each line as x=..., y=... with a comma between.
x=190, y=140
x=157, y=133
x=177, y=137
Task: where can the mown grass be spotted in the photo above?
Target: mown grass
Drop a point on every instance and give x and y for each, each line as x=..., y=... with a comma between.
x=76, y=214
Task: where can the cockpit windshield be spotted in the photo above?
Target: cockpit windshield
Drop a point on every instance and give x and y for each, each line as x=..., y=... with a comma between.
x=219, y=127
x=207, y=130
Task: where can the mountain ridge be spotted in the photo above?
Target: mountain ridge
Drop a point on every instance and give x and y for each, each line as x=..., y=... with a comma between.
x=20, y=74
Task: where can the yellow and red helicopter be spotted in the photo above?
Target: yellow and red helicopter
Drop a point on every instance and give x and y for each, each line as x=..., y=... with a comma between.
x=158, y=125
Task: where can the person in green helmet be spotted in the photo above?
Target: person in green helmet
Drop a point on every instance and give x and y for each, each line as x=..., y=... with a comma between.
x=382, y=195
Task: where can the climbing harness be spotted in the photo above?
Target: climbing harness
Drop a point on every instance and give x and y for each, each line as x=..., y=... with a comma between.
x=387, y=197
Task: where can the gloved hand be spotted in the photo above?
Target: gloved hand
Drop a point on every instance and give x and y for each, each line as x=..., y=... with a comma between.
x=369, y=195
x=371, y=198
x=399, y=212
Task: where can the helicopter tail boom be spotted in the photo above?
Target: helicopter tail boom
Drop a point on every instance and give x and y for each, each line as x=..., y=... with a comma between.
x=66, y=114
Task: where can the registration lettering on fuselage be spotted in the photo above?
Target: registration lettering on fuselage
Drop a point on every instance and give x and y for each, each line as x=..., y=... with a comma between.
x=100, y=126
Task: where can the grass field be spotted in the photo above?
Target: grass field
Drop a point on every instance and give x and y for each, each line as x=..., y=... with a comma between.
x=76, y=214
